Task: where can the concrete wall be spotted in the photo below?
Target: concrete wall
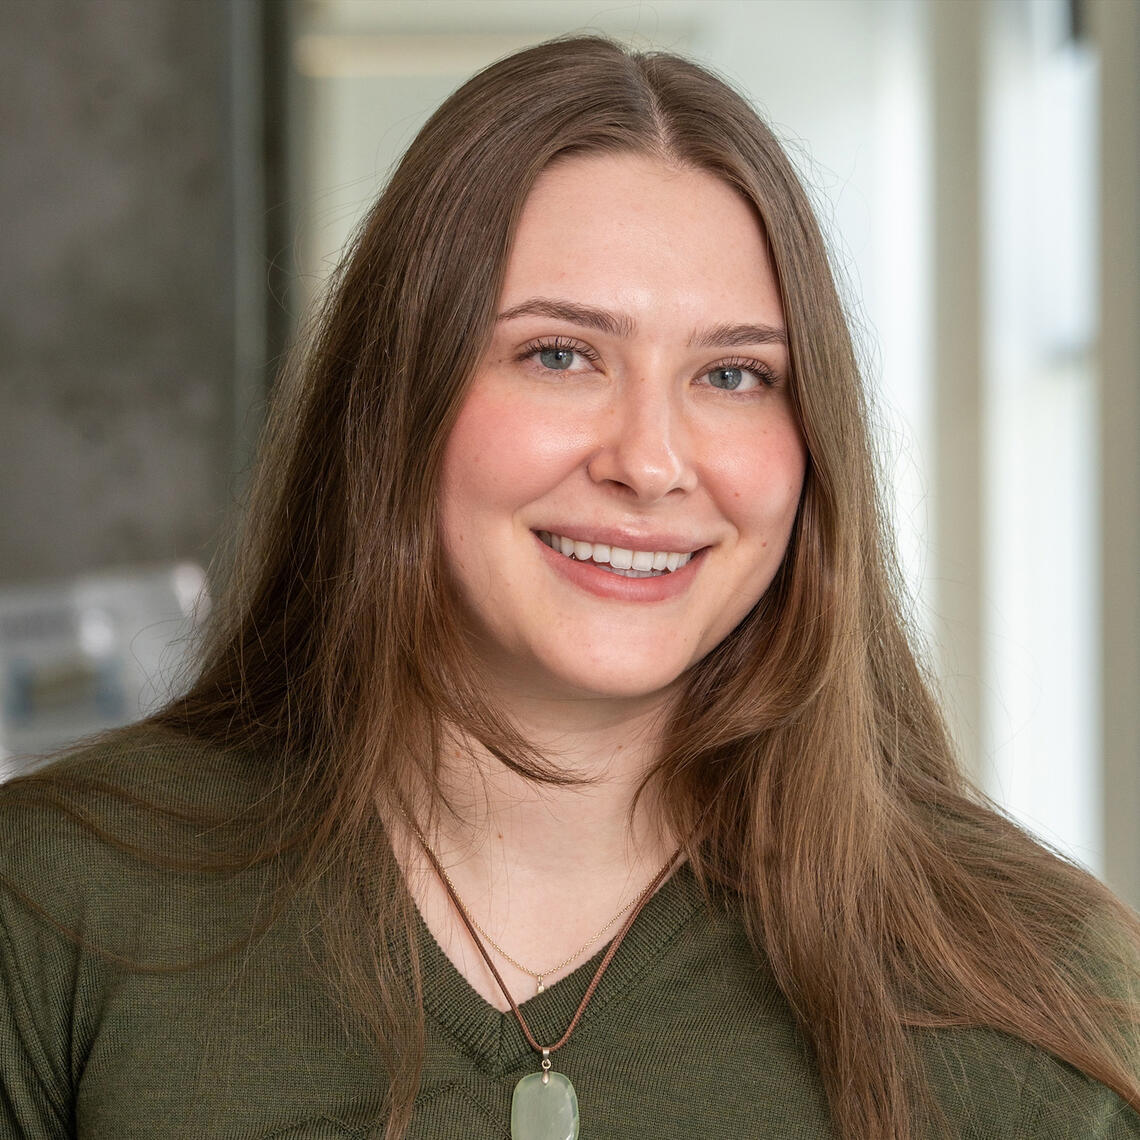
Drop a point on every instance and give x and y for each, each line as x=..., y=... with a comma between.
x=116, y=295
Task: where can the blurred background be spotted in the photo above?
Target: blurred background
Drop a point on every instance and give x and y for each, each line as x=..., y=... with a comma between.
x=179, y=177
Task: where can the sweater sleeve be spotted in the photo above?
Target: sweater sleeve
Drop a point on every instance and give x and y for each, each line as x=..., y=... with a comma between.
x=99, y=929
x=34, y=1094
x=51, y=987
x=1060, y=1103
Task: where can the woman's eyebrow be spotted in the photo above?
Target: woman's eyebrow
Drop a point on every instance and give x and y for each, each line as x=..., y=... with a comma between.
x=621, y=325
x=732, y=336
x=615, y=324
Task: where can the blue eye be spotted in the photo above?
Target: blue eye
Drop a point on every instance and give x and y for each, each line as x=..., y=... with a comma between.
x=727, y=378
x=557, y=358
x=741, y=376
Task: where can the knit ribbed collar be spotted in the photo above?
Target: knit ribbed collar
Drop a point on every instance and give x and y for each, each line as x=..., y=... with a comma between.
x=494, y=1040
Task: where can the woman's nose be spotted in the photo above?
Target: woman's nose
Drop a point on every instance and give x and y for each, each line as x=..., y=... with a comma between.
x=644, y=444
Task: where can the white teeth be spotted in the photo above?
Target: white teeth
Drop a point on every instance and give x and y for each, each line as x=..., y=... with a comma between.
x=619, y=559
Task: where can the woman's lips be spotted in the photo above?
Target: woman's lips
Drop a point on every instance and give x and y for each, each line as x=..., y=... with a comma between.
x=619, y=559
x=630, y=583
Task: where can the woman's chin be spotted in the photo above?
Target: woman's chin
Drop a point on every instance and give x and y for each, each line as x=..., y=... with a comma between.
x=622, y=678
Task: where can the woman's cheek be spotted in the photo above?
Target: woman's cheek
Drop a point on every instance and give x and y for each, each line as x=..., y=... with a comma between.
x=517, y=447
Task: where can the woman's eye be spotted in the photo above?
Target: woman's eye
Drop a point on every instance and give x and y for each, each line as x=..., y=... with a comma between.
x=557, y=358
x=736, y=378
x=730, y=378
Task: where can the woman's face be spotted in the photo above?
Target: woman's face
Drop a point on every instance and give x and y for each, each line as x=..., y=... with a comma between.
x=621, y=483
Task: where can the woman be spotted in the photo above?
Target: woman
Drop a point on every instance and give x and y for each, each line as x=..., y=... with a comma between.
x=563, y=624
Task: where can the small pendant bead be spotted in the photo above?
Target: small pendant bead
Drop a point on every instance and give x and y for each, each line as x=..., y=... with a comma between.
x=544, y=1107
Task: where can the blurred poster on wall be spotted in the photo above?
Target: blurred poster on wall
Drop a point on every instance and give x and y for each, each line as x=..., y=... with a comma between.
x=92, y=653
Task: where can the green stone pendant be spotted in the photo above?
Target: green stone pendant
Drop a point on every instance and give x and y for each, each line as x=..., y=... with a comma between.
x=544, y=1107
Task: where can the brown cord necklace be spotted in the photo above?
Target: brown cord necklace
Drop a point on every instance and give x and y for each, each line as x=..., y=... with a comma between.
x=544, y=1105
x=539, y=976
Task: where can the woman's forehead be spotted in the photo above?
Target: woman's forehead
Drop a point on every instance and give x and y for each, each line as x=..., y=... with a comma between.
x=638, y=236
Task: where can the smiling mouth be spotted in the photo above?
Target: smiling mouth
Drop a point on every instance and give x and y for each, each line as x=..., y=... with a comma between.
x=617, y=559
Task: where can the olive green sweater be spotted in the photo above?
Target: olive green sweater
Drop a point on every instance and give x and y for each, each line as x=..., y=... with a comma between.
x=687, y=1036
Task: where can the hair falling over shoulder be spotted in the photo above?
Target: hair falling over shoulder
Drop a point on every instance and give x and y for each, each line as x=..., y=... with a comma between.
x=885, y=894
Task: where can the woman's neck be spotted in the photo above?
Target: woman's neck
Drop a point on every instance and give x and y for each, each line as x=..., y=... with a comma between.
x=541, y=868
x=500, y=816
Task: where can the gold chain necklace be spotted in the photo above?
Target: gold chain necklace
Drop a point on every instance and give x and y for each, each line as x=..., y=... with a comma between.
x=539, y=976
x=545, y=1105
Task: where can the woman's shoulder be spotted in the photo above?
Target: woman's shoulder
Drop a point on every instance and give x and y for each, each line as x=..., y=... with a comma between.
x=115, y=823
x=1059, y=1102
x=146, y=761
x=119, y=919
x=125, y=777
x=991, y=1086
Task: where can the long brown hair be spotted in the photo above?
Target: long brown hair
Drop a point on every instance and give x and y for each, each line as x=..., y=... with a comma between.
x=884, y=893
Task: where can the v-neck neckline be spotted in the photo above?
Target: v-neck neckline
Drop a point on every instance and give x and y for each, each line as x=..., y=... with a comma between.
x=493, y=1038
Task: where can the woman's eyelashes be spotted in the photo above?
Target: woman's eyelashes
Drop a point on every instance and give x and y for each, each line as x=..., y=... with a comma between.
x=741, y=374
x=559, y=354
x=563, y=354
